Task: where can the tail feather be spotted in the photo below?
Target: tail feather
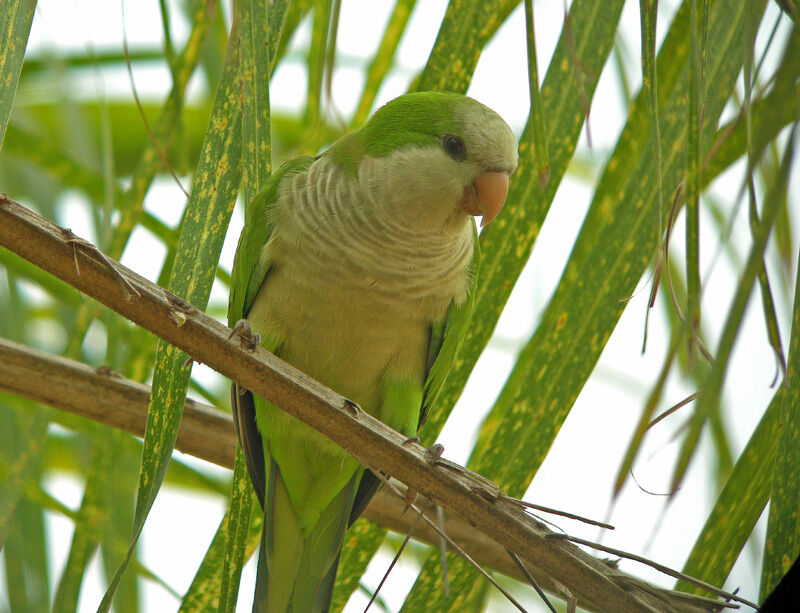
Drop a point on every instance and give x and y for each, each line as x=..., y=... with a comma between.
x=296, y=570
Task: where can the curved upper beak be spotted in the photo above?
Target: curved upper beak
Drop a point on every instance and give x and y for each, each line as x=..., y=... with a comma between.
x=485, y=196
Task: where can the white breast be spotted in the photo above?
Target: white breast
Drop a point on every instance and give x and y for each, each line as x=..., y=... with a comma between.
x=351, y=293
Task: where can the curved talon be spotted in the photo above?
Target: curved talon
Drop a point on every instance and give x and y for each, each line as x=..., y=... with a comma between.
x=105, y=370
x=409, y=499
x=247, y=339
x=435, y=451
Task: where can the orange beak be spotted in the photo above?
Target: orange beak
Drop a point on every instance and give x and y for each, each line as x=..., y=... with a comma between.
x=485, y=196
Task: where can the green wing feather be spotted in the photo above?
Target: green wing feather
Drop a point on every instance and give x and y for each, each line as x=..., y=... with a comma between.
x=249, y=272
x=448, y=335
x=295, y=569
x=249, y=268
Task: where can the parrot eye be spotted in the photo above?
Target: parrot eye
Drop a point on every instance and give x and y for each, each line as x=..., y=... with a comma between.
x=455, y=147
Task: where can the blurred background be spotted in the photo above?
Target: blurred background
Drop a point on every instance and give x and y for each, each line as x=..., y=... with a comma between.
x=78, y=150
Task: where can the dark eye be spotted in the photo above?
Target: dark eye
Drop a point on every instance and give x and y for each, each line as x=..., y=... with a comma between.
x=455, y=147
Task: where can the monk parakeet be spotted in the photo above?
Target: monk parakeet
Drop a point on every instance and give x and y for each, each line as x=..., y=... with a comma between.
x=357, y=267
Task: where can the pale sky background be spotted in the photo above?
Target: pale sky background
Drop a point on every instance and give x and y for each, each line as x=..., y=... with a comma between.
x=582, y=463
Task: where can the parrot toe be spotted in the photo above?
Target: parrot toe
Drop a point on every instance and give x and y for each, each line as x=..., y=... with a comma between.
x=247, y=340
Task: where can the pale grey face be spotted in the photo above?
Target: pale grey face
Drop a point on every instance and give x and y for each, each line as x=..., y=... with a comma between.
x=460, y=174
x=489, y=142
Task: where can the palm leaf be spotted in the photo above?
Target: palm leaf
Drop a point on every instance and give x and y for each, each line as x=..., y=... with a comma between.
x=88, y=161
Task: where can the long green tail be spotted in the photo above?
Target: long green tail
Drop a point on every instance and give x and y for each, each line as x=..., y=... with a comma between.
x=296, y=571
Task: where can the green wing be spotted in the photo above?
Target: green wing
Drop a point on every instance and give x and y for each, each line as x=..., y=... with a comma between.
x=249, y=269
x=249, y=272
x=295, y=569
x=446, y=338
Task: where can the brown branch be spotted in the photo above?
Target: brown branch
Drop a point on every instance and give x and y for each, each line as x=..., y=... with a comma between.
x=569, y=570
x=104, y=396
x=109, y=398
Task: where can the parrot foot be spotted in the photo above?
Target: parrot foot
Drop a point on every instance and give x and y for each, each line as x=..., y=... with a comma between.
x=247, y=339
x=434, y=452
x=105, y=371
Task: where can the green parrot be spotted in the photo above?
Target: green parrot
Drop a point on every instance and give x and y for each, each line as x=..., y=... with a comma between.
x=357, y=267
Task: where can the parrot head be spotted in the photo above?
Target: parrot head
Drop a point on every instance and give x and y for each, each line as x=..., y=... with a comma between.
x=434, y=158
